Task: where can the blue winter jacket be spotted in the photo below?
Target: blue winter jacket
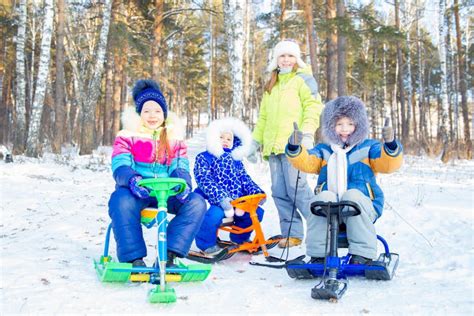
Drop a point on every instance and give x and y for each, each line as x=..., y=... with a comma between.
x=364, y=161
x=221, y=177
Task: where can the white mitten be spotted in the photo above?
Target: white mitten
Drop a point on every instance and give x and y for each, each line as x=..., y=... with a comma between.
x=229, y=213
x=239, y=212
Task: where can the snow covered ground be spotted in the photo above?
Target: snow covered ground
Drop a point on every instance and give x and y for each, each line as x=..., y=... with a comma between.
x=54, y=217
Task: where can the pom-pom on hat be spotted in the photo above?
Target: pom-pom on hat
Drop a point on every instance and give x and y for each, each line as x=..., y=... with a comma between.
x=146, y=90
x=286, y=46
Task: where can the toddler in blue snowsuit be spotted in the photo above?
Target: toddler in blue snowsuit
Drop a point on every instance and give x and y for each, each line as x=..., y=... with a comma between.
x=221, y=178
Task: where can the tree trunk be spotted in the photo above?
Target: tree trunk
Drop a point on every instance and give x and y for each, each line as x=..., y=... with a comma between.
x=117, y=93
x=312, y=37
x=3, y=82
x=60, y=84
x=20, y=130
x=33, y=148
x=30, y=60
x=282, y=19
x=444, y=84
x=401, y=89
x=386, y=104
x=246, y=85
x=157, y=35
x=341, y=49
x=331, y=62
x=449, y=77
x=108, y=103
x=235, y=34
x=210, y=89
x=406, y=28
x=428, y=122
x=90, y=104
x=421, y=136
x=6, y=113
x=5, y=86
x=462, y=84
x=46, y=133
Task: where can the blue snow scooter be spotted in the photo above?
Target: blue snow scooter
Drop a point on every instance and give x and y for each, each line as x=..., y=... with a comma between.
x=335, y=270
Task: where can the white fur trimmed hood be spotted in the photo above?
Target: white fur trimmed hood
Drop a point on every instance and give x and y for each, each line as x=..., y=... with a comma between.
x=132, y=121
x=242, y=137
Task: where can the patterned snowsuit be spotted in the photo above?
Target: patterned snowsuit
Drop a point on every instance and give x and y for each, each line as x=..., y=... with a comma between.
x=220, y=174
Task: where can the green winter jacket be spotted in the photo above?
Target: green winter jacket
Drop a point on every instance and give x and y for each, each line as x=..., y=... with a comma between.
x=294, y=98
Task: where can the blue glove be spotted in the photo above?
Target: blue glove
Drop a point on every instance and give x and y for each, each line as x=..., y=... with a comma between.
x=183, y=195
x=138, y=191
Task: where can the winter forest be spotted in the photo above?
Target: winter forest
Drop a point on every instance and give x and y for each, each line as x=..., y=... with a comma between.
x=67, y=66
x=67, y=70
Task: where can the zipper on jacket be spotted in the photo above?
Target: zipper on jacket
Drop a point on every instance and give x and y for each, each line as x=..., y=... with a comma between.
x=153, y=168
x=369, y=189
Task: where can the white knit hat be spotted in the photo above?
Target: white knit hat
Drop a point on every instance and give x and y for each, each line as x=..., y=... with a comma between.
x=286, y=47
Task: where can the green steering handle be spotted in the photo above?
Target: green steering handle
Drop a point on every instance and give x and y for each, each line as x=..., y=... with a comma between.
x=163, y=187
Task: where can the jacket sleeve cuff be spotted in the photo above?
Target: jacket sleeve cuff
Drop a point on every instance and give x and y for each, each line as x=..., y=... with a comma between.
x=292, y=150
x=183, y=174
x=394, y=148
x=123, y=174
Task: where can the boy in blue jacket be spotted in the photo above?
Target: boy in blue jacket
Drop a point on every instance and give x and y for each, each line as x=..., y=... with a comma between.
x=221, y=178
x=347, y=163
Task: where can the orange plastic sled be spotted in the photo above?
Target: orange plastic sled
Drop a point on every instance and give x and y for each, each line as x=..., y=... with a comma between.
x=249, y=204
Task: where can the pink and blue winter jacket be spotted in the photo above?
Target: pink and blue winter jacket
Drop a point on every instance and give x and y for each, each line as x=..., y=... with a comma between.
x=135, y=153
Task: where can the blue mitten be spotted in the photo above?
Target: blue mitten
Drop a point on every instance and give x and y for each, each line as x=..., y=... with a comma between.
x=137, y=191
x=183, y=195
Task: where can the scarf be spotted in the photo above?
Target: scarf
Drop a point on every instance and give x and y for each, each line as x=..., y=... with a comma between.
x=337, y=170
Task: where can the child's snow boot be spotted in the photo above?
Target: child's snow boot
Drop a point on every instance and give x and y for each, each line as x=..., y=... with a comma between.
x=170, y=262
x=138, y=263
x=356, y=259
x=316, y=260
x=289, y=242
x=214, y=250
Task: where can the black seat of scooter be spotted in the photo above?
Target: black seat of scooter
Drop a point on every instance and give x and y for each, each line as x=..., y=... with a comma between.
x=342, y=208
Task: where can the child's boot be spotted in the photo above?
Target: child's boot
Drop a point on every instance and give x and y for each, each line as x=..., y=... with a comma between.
x=356, y=259
x=212, y=251
x=138, y=263
x=289, y=242
x=171, y=258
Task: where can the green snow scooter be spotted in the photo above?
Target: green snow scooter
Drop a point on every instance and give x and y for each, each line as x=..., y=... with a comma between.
x=110, y=271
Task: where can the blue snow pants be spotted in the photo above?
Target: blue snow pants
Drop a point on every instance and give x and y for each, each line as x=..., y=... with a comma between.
x=125, y=209
x=207, y=235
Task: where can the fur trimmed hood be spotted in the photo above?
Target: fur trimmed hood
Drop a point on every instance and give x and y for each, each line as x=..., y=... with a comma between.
x=242, y=137
x=346, y=106
x=132, y=121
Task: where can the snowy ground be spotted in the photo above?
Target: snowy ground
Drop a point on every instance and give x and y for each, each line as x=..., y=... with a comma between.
x=54, y=216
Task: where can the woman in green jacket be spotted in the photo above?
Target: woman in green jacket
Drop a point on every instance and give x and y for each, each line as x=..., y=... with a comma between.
x=291, y=95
